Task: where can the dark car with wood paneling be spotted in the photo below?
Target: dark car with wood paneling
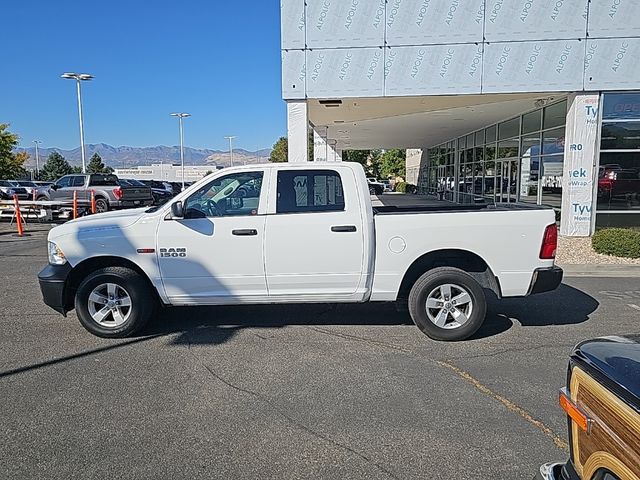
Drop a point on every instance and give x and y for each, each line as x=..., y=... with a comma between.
x=602, y=402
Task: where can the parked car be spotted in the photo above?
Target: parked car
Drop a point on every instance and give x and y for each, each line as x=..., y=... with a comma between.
x=161, y=194
x=602, y=403
x=388, y=186
x=108, y=192
x=28, y=185
x=9, y=190
x=375, y=187
x=311, y=235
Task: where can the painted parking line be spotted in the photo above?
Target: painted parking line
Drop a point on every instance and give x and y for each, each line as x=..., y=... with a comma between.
x=559, y=442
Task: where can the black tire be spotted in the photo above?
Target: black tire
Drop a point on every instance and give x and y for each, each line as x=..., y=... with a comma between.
x=432, y=280
x=372, y=190
x=102, y=205
x=142, y=301
x=42, y=198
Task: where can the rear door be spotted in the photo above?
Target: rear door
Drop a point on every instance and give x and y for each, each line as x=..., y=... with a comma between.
x=314, y=237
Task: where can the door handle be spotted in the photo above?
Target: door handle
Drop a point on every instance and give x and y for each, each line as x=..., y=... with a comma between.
x=244, y=232
x=343, y=228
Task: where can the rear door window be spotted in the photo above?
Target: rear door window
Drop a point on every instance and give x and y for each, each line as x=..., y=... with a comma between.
x=303, y=191
x=78, y=181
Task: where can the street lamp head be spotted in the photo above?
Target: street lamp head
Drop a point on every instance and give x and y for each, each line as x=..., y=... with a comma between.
x=180, y=115
x=76, y=76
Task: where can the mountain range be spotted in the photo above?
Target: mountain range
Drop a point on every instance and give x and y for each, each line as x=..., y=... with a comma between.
x=123, y=156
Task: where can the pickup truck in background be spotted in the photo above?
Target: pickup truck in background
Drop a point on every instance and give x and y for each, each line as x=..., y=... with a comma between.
x=309, y=235
x=109, y=194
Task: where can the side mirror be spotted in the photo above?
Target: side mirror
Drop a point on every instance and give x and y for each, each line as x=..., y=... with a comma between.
x=176, y=210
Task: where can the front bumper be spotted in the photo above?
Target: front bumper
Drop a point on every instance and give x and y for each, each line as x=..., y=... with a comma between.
x=53, y=280
x=545, y=280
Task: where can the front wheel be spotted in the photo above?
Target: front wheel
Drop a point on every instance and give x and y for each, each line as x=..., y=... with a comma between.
x=114, y=302
x=448, y=304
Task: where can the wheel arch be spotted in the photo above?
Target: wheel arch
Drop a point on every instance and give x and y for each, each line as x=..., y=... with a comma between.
x=465, y=260
x=82, y=269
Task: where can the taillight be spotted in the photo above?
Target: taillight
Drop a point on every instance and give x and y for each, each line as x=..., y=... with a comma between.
x=549, y=243
x=117, y=192
x=574, y=411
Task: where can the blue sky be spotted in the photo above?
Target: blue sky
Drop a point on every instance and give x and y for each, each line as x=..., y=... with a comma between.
x=218, y=60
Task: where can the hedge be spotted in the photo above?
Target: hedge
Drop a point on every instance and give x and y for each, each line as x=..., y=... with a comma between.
x=619, y=242
x=404, y=187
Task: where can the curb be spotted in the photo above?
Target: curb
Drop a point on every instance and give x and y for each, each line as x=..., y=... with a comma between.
x=626, y=271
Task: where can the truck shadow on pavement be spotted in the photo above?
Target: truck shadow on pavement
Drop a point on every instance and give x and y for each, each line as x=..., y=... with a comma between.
x=217, y=325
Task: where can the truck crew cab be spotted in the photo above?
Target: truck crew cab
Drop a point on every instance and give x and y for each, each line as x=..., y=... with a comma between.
x=308, y=234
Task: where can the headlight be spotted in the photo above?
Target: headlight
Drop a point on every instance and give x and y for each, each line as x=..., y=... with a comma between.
x=56, y=256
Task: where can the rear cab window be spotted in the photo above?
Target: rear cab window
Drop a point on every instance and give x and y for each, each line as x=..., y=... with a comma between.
x=99, y=180
x=305, y=191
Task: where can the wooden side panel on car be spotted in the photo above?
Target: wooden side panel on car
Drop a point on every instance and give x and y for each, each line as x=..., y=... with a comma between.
x=614, y=438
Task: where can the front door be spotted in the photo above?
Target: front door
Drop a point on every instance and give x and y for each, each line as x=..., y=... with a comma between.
x=62, y=188
x=506, y=181
x=315, y=240
x=214, y=254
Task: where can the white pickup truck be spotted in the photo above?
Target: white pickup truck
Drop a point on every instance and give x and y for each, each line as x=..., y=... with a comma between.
x=284, y=233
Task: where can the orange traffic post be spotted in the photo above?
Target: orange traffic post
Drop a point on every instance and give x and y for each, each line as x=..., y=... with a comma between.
x=93, y=201
x=75, y=204
x=18, y=215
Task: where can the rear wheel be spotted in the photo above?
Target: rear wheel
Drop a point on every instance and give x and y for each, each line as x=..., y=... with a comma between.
x=447, y=303
x=114, y=302
x=102, y=205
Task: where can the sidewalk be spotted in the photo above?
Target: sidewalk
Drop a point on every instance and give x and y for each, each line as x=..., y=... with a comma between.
x=591, y=270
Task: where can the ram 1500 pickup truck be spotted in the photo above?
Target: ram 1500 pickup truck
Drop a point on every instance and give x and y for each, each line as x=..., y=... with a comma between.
x=309, y=234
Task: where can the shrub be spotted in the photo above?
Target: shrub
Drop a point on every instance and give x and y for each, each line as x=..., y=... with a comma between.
x=404, y=187
x=619, y=242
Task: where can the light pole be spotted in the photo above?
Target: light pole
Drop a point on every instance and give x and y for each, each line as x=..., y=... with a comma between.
x=230, y=138
x=180, y=117
x=37, y=142
x=79, y=77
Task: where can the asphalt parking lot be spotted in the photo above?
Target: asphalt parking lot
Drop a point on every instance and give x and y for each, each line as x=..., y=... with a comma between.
x=319, y=391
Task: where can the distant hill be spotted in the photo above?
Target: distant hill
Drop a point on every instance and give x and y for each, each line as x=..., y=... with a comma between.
x=118, y=157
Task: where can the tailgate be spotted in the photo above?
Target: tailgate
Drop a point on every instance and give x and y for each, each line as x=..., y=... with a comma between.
x=136, y=193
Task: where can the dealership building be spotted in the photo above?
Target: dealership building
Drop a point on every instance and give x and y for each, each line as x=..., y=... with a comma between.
x=495, y=100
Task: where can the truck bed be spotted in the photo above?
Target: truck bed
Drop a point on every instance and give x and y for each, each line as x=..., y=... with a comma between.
x=447, y=207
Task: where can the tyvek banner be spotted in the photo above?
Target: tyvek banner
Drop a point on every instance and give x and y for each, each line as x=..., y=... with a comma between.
x=292, y=25
x=579, y=172
x=511, y=20
x=345, y=23
x=352, y=72
x=293, y=74
x=612, y=63
x=533, y=66
x=433, y=69
x=420, y=22
x=614, y=18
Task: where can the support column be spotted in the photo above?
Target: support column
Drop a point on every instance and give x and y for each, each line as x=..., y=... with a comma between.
x=320, y=144
x=331, y=153
x=580, y=169
x=297, y=130
x=338, y=154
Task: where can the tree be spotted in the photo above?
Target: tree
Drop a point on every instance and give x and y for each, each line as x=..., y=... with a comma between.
x=55, y=167
x=393, y=163
x=96, y=165
x=369, y=159
x=280, y=151
x=11, y=164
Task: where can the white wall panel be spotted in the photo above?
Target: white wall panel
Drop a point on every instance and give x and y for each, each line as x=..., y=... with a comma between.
x=293, y=74
x=511, y=20
x=420, y=22
x=614, y=18
x=345, y=23
x=433, y=69
x=292, y=26
x=612, y=63
x=352, y=72
x=533, y=66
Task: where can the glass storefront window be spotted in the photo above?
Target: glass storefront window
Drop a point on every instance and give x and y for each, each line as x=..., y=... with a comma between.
x=479, y=138
x=509, y=129
x=508, y=148
x=621, y=106
x=620, y=135
x=551, y=180
x=491, y=134
x=619, y=181
x=532, y=122
x=555, y=115
x=553, y=141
